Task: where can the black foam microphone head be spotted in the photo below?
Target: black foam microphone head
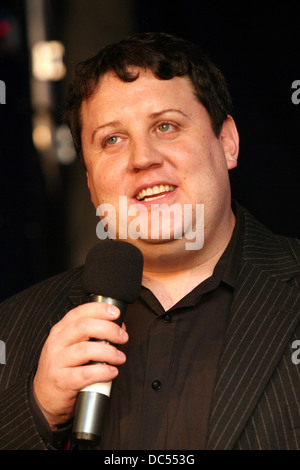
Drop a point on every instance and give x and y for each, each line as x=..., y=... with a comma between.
x=113, y=269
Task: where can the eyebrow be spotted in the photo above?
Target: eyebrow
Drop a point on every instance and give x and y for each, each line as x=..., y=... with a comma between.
x=108, y=124
x=169, y=110
x=152, y=116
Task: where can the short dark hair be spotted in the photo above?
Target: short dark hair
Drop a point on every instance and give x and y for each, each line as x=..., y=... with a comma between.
x=167, y=56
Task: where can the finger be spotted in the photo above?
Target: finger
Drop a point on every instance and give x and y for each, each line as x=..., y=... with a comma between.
x=86, y=328
x=97, y=351
x=83, y=324
x=80, y=377
x=100, y=310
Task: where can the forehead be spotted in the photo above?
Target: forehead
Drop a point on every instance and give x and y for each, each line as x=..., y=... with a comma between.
x=146, y=91
x=140, y=76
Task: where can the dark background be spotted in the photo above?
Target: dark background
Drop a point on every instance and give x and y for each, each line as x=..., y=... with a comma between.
x=47, y=222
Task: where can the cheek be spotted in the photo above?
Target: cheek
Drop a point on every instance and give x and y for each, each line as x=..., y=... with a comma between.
x=194, y=151
x=104, y=186
x=208, y=157
x=205, y=168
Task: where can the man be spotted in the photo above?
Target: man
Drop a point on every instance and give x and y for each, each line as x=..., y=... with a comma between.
x=205, y=358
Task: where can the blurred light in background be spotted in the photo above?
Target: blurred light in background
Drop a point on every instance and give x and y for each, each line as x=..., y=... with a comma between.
x=52, y=141
x=5, y=27
x=65, y=149
x=10, y=34
x=42, y=132
x=47, y=60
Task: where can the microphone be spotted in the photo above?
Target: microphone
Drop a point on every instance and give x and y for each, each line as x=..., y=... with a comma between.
x=112, y=274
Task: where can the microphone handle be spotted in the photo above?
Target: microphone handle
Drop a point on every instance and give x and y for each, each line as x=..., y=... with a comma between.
x=92, y=400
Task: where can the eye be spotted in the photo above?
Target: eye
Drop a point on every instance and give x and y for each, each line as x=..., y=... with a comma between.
x=111, y=140
x=164, y=127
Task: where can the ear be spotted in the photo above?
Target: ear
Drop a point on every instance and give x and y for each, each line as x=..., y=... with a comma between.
x=229, y=138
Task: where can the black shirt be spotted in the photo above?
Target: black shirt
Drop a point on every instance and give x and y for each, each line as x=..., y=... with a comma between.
x=161, y=398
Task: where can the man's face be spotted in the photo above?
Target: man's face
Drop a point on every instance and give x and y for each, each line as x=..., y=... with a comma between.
x=151, y=141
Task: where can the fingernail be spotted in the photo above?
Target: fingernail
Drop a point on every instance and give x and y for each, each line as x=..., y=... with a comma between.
x=121, y=354
x=113, y=311
x=123, y=333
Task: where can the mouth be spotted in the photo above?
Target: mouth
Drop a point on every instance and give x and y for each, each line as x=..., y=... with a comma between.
x=154, y=192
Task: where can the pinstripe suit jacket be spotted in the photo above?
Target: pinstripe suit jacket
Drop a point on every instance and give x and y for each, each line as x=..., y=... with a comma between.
x=256, y=401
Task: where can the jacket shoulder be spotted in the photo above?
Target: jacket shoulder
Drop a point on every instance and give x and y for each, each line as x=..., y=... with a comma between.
x=276, y=254
x=52, y=292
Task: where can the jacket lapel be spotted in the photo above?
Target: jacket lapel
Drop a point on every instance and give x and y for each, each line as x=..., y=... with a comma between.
x=264, y=313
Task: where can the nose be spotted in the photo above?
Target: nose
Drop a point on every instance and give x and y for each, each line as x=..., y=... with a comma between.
x=143, y=155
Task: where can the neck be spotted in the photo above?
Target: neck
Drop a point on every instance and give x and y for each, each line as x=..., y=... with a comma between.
x=171, y=280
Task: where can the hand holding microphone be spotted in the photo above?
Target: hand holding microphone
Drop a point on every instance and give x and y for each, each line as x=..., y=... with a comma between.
x=64, y=367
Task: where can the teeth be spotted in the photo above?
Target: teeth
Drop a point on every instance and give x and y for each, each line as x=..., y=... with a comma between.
x=157, y=189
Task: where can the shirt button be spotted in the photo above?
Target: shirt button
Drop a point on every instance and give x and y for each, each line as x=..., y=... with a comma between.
x=156, y=385
x=166, y=318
